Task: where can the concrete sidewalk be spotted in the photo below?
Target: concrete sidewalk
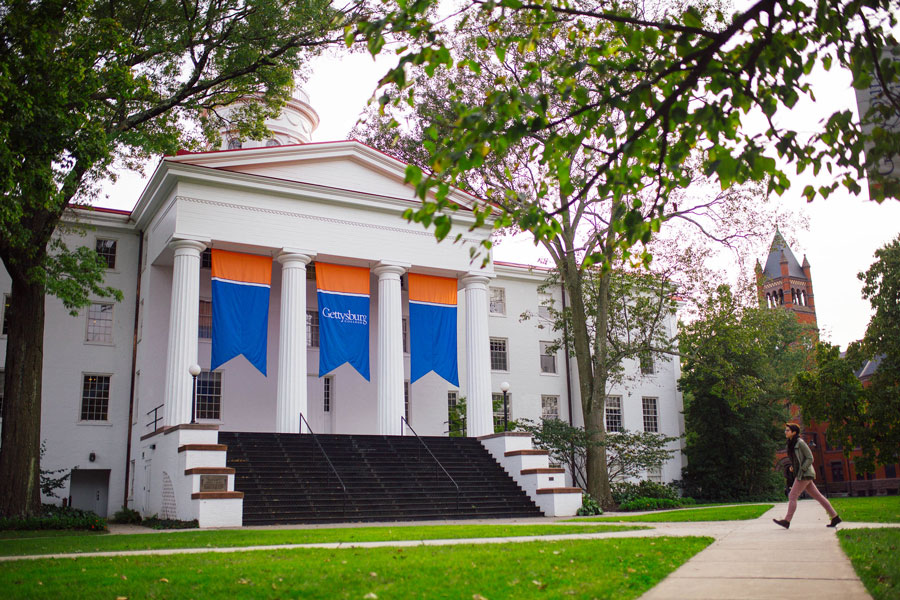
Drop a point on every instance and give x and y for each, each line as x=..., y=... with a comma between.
x=760, y=560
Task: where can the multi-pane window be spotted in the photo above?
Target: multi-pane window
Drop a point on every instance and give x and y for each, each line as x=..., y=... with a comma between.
x=646, y=360
x=837, y=470
x=654, y=474
x=206, y=259
x=497, y=403
x=100, y=323
x=499, y=359
x=5, y=329
x=548, y=358
x=107, y=251
x=95, y=398
x=204, y=323
x=209, y=395
x=312, y=329
x=651, y=416
x=405, y=322
x=406, y=400
x=613, y=414
x=544, y=307
x=452, y=399
x=549, y=407
x=498, y=301
x=327, y=390
x=890, y=471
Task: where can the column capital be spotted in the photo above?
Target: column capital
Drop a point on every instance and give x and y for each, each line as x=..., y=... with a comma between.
x=476, y=278
x=389, y=267
x=293, y=255
x=188, y=244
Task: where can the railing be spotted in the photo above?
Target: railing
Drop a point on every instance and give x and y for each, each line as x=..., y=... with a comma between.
x=328, y=460
x=156, y=418
x=437, y=462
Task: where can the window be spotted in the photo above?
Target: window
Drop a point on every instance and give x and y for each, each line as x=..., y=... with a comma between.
x=235, y=144
x=651, y=417
x=95, y=398
x=837, y=470
x=654, y=474
x=209, y=395
x=405, y=325
x=452, y=399
x=99, y=323
x=499, y=360
x=328, y=386
x=890, y=471
x=497, y=403
x=646, y=360
x=312, y=329
x=544, y=302
x=107, y=251
x=206, y=259
x=406, y=400
x=498, y=301
x=549, y=407
x=204, y=323
x=613, y=414
x=548, y=358
x=5, y=329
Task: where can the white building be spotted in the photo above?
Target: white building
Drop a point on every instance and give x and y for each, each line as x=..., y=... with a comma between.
x=120, y=371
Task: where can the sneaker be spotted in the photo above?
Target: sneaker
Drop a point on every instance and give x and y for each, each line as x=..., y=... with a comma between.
x=783, y=523
x=834, y=521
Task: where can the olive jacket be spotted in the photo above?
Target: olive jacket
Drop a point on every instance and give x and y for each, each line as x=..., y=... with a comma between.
x=802, y=461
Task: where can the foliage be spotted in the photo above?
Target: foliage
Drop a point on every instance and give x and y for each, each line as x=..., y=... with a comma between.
x=56, y=517
x=88, y=85
x=155, y=522
x=576, y=568
x=626, y=491
x=629, y=453
x=650, y=504
x=719, y=513
x=873, y=553
x=589, y=507
x=871, y=509
x=736, y=374
x=50, y=479
x=239, y=538
x=127, y=516
x=864, y=415
x=456, y=416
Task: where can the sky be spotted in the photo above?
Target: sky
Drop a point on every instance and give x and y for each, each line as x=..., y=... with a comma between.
x=843, y=234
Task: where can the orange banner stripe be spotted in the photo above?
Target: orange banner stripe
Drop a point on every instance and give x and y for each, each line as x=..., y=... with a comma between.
x=342, y=278
x=428, y=288
x=246, y=268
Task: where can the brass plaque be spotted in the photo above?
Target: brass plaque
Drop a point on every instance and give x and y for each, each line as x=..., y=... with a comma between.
x=214, y=483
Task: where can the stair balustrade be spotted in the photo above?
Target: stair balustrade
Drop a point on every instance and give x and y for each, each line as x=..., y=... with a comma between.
x=437, y=462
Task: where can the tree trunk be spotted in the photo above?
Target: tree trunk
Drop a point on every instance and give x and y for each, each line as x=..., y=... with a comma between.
x=597, y=473
x=21, y=439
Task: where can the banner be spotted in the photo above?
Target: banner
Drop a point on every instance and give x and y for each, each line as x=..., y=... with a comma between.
x=240, y=307
x=432, y=327
x=343, y=294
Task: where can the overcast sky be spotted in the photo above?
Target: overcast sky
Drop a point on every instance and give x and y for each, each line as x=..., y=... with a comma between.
x=844, y=230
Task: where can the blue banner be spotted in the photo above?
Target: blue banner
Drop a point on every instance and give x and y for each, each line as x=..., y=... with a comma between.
x=343, y=332
x=432, y=341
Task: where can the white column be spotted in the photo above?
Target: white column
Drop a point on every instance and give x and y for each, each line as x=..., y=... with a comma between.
x=479, y=410
x=389, y=348
x=182, y=347
x=291, y=395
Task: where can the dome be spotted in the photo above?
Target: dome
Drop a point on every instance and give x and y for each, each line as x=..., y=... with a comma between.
x=294, y=125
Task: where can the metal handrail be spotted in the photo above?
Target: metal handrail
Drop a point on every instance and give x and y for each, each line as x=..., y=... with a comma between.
x=328, y=460
x=156, y=417
x=424, y=445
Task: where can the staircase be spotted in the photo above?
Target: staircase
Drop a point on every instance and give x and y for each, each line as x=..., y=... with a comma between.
x=286, y=479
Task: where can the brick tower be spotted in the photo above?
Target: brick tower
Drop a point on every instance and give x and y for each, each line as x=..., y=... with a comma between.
x=784, y=282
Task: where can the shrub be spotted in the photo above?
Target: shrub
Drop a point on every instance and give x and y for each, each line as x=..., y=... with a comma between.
x=155, y=522
x=589, y=506
x=626, y=491
x=127, y=516
x=649, y=504
x=57, y=517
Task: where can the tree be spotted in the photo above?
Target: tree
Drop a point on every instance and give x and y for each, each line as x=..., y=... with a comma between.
x=867, y=416
x=456, y=418
x=738, y=365
x=616, y=312
x=86, y=84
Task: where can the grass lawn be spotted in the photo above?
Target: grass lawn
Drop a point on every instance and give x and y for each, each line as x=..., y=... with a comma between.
x=874, y=554
x=235, y=538
x=725, y=513
x=872, y=509
x=612, y=568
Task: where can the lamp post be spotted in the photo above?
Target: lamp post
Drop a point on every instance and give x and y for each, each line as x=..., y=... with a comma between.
x=194, y=370
x=504, y=387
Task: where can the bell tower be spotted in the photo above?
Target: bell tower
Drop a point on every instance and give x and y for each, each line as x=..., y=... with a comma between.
x=785, y=283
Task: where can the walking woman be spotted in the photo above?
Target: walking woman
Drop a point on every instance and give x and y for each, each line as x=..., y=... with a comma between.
x=805, y=475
